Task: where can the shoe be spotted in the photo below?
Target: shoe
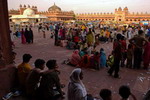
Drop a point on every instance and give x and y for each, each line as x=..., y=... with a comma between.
x=17, y=93
x=7, y=96
x=110, y=74
x=117, y=77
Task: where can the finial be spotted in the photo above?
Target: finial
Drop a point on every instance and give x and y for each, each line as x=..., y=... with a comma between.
x=20, y=5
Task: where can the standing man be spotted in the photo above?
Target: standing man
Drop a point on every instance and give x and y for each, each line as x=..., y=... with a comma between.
x=56, y=34
x=117, y=57
x=31, y=35
x=138, y=41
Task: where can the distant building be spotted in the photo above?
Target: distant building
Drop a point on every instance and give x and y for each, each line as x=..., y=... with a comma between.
x=28, y=16
x=54, y=13
x=120, y=15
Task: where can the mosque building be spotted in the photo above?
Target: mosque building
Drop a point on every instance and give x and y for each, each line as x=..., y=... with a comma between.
x=55, y=13
x=120, y=15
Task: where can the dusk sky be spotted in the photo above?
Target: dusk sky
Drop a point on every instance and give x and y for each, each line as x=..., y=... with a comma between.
x=85, y=6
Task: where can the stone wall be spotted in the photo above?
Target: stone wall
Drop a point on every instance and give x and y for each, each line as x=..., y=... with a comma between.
x=8, y=79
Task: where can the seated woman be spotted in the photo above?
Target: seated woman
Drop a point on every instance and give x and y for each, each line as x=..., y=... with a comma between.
x=75, y=59
x=82, y=52
x=94, y=61
x=76, y=89
x=85, y=61
x=70, y=45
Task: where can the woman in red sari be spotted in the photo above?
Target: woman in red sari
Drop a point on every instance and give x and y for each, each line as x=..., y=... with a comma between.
x=85, y=61
x=146, y=55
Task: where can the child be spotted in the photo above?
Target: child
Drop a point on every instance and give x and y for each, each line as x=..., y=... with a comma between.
x=94, y=61
x=102, y=58
x=110, y=60
x=124, y=92
x=105, y=94
x=129, y=56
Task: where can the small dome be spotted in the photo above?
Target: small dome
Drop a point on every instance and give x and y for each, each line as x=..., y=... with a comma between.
x=125, y=8
x=54, y=8
x=120, y=9
x=28, y=12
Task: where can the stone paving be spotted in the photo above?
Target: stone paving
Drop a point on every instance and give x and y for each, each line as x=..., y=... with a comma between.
x=138, y=80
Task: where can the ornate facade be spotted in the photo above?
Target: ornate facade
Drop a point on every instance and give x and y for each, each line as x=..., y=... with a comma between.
x=120, y=15
x=54, y=13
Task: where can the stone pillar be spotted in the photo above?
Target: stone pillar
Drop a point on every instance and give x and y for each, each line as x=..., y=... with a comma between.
x=5, y=42
x=7, y=71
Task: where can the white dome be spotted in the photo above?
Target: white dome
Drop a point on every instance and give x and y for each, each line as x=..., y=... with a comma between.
x=28, y=12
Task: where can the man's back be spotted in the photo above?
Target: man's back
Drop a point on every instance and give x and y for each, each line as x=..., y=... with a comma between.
x=32, y=81
x=23, y=71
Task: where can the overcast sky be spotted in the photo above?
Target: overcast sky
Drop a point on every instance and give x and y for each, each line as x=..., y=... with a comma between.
x=85, y=6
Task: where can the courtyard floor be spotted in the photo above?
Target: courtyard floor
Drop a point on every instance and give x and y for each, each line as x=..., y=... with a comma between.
x=137, y=80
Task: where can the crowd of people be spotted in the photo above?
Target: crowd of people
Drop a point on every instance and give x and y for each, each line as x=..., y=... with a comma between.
x=25, y=34
x=40, y=84
x=131, y=46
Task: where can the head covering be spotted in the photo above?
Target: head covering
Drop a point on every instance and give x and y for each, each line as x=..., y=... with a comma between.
x=75, y=75
x=76, y=52
x=75, y=79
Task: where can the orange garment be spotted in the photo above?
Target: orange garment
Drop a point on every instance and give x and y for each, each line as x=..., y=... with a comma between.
x=107, y=34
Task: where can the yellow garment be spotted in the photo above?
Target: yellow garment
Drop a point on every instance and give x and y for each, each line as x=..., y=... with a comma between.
x=23, y=71
x=102, y=33
x=83, y=27
x=90, y=38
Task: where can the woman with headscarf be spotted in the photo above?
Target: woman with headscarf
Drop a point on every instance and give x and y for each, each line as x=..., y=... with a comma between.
x=76, y=89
